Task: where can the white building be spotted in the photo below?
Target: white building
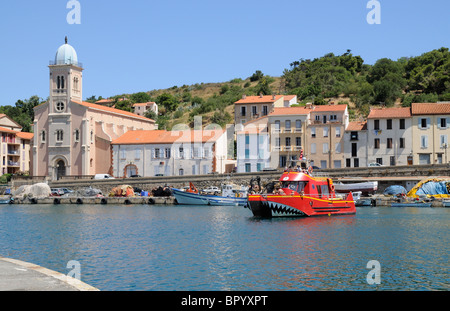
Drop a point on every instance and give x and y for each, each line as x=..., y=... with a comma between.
x=253, y=146
x=164, y=153
x=356, y=144
x=389, y=132
x=141, y=108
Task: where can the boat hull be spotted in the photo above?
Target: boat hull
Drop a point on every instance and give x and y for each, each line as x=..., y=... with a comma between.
x=298, y=206
x=187, y=198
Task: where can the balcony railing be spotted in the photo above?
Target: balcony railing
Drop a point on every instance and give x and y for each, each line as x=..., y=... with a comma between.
x=55, y=63
x=12, y=163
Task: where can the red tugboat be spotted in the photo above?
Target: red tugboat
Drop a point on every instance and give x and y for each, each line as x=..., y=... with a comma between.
x=301, y=195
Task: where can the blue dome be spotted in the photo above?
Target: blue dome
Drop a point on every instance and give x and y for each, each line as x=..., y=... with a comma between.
x=66, y=55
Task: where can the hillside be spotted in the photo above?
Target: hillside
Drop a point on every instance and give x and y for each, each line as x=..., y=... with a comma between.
x=331, y=78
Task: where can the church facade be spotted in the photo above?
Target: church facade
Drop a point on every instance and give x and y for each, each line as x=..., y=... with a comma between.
x=72, y=137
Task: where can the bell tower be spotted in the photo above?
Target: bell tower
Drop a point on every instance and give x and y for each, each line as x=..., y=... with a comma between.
x=66, y=76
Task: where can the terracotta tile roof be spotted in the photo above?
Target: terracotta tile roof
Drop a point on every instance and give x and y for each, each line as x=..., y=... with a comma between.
x=114, y=110
x=255, y=126
x=388, y=113
x=356, y=126
x=5, y=130
x=25, y=135
x=329, y=108
x=289, y=97
x=290, y=111
x=168, y=137
x=259, y=99
x=430, y=108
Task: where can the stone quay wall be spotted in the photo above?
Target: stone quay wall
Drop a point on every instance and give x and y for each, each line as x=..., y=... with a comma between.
x=387, y=176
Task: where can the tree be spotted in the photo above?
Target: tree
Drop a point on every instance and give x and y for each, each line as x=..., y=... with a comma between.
x=168, y=101
x=263, y=87
x=140, y=97
x=258, y=75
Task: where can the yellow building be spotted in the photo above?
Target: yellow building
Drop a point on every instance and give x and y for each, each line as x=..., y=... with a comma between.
x=430, y=132
x=325, y=133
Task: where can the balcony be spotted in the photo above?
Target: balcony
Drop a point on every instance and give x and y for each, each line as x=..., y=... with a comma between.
x=288, y=148
x=13, y=164
x=297, y=130
x=298, y=148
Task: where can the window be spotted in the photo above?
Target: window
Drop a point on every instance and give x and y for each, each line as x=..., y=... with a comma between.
x=247, y=139
x=402, y=124
x=243, y=111
x=424, y=141
x=348, y=162
x=181, y=153
x=248, y=167
x=354, y=150
x=254, y=110
x=377, y=143
x=392, y=161
x=353, y=135
x=325, y=148
x=137, y=155
x=443, y=141
x=379, y=161
x=313, y=148
x=443, y=122
x=325, y=131
x=62, y=82
x=277, y=125
x=58, y=82
x=423, y=123
x=333, y=117
x=298, y=141
x=59, y=135
x=265, y=111
x=389, y=143
x=313, y=132
x=338, y=131
x=277, y=142
x=157, y=154
x=168, y=153
x=288, y=141
x=376, y=124
x=298, y=125
x=356, y=162
x=338, y=148
x=389, y=124
x=77, y=135
x=287, y=125
x=402, y=143
x=60, y=107
x=43, y=136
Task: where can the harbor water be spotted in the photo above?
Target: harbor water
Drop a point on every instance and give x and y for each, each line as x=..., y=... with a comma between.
x=206, y=248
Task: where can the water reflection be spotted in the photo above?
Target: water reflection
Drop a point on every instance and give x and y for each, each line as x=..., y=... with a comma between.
x=225, y=248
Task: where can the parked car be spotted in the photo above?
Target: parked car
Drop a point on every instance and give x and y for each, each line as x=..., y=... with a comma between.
x=57, y=192
x=66, y=191
x=375, y=164
x=211, y=190
x=103, y=176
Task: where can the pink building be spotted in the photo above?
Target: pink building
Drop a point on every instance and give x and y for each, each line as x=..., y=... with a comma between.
x=72, y=137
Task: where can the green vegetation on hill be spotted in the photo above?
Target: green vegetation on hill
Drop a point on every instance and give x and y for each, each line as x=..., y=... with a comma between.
x=342, y=78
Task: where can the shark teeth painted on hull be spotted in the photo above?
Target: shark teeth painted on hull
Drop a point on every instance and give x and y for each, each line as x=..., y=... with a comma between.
x=283, y=210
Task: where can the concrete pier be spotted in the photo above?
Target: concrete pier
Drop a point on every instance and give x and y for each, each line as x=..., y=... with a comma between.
x=17, y=275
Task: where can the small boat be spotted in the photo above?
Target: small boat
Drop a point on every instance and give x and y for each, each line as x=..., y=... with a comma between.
x=229, y=197
x=6, y=200
x=446, y=203
x=364, y=187
x=301, y=195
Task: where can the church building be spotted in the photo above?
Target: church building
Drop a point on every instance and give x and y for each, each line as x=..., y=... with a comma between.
x=72, y=137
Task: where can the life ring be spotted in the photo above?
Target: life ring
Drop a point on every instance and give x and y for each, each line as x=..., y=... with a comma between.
x=310, y=170
x=332, y=188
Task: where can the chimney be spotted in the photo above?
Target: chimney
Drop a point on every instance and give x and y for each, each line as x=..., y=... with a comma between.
x=244, y=96
x=273, y=97
x=261, y=95
x=308, y=105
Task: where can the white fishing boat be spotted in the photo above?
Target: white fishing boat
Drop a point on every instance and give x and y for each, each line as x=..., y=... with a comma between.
x=364, y=187
x=229, y=197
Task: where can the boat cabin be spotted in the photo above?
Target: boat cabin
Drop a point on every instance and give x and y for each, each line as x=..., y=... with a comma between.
x=298, y=183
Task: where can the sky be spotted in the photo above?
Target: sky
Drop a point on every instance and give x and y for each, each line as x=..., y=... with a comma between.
x=141, y=45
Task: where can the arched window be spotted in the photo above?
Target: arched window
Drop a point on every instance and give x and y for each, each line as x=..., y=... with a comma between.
x=58, y=83
x=43, y=136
